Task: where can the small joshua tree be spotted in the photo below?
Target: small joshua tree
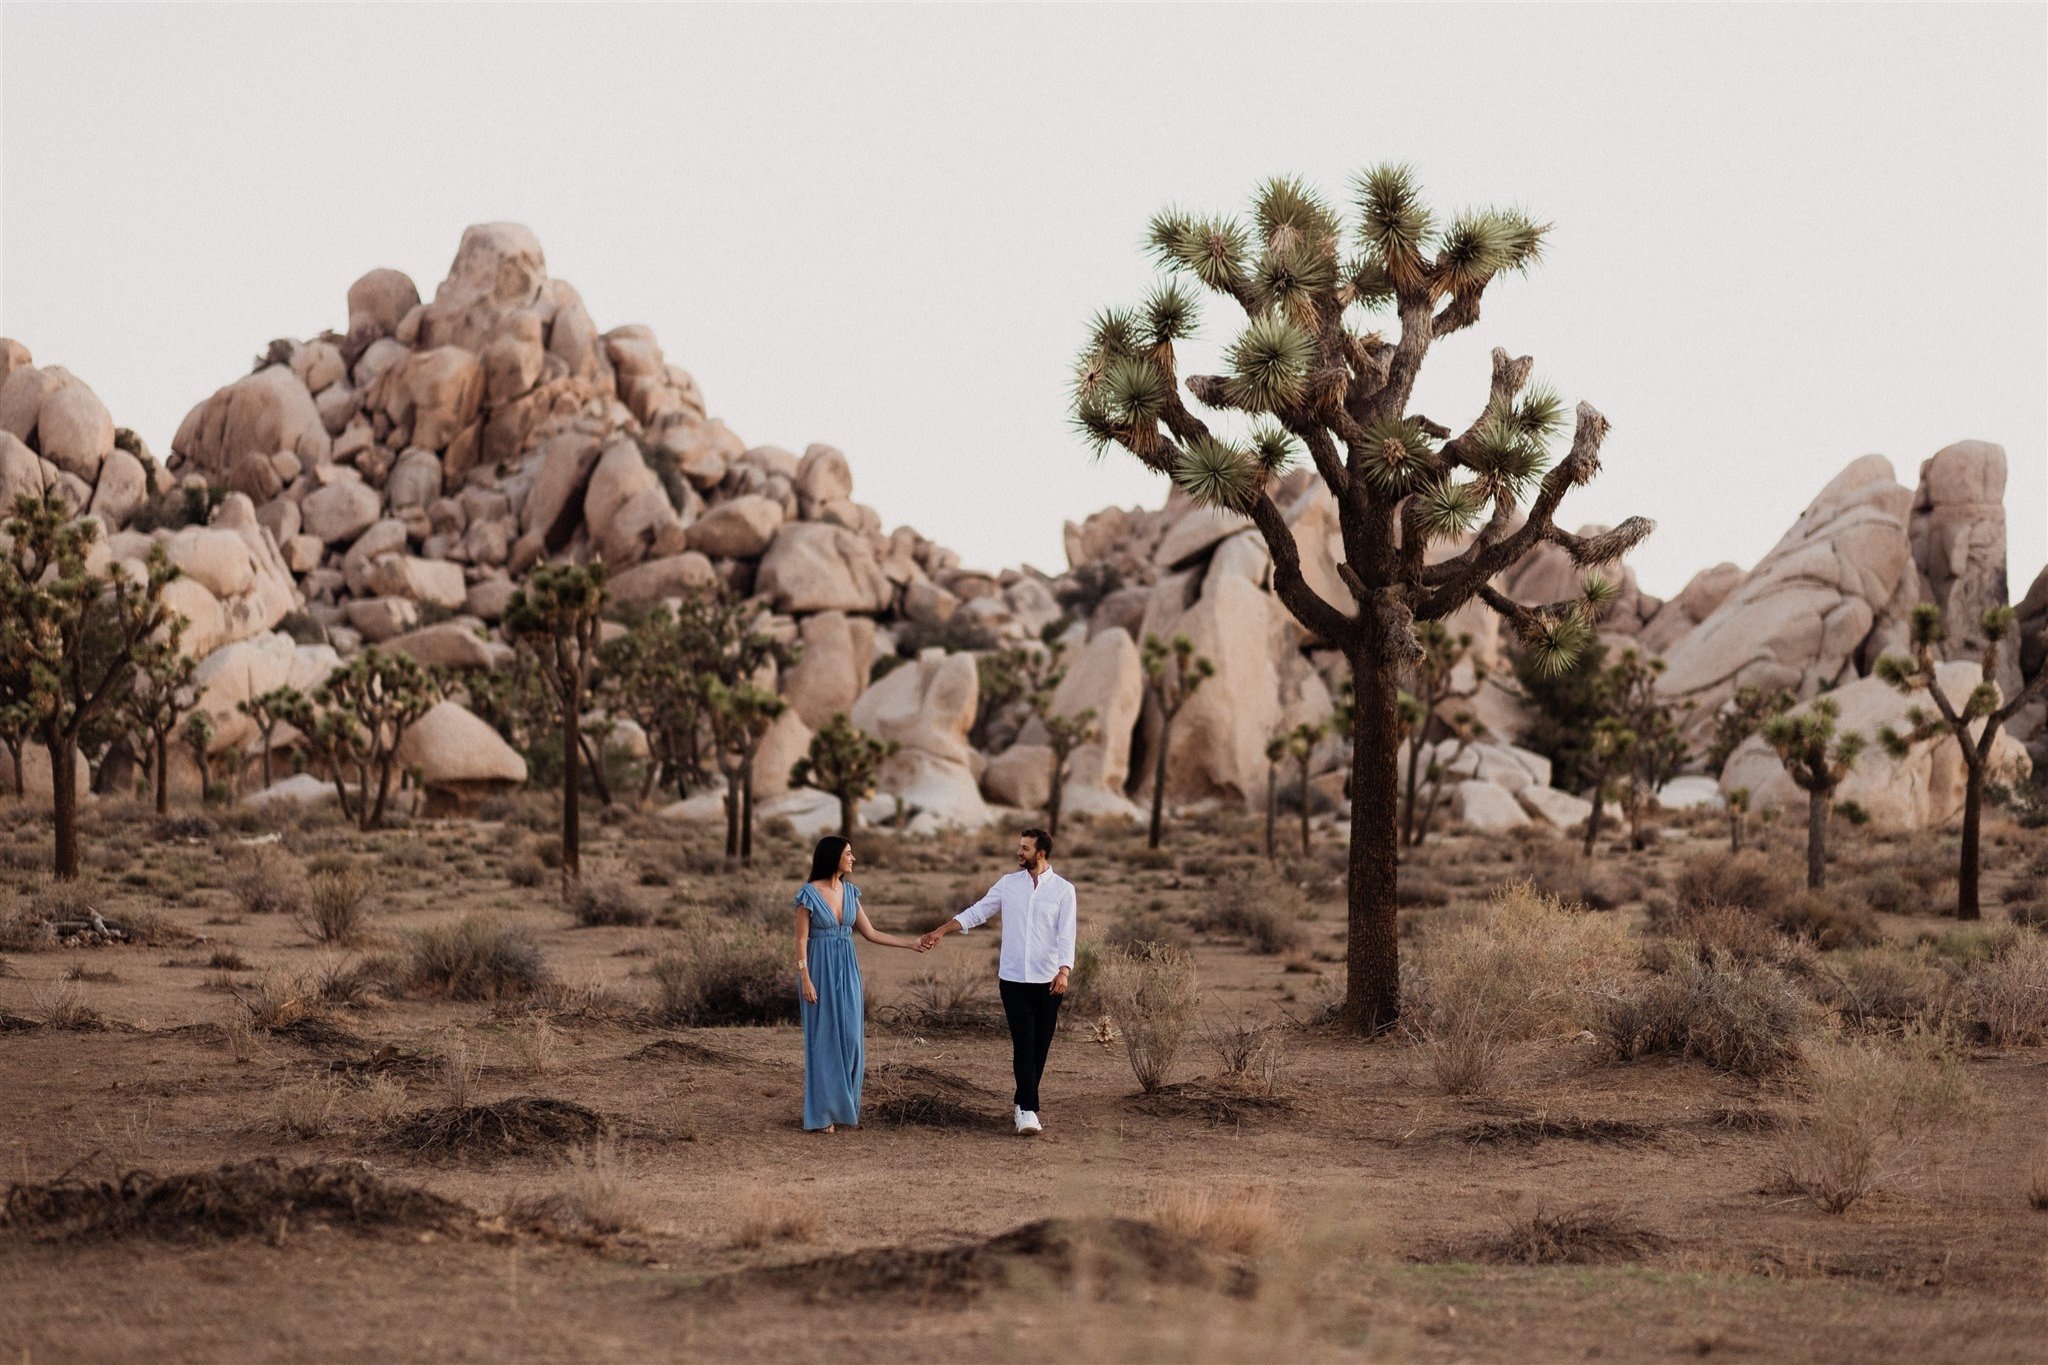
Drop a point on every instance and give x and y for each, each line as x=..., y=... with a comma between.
x=268, y=710
x=158, y=698
x=70, y=634
x=1738, y=817
x=1613, y=753
x=1063, y=734
x=355, y=721
x=197, y=734
x=1301, y=747
x=1467, y=729
x=1442, y=652
x=1818, y=759
x=740, y=715
x=1981, y=708
x=1276, y=750
x=1302, y=375
x=555, y=618
x=1742, y=716
x=845, y=761
x=1173, y=673
x=17, y=721
x=1657, y=747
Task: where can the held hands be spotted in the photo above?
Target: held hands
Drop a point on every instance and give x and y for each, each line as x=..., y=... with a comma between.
x=929, y=941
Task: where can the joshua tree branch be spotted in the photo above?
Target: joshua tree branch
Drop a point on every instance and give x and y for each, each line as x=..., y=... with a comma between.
x=1305, y=602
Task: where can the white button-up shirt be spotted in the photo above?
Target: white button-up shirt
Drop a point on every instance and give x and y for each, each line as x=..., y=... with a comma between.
x=1038, y=924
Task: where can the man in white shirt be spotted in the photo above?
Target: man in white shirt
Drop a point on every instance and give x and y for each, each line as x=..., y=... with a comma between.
x=1037, y=906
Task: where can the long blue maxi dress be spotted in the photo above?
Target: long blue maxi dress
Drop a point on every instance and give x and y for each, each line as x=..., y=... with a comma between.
x=835, y=1052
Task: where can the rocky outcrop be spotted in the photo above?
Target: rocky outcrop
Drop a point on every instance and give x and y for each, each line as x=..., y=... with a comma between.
x=460, y=759
x=1799, y=619
x=927, y=707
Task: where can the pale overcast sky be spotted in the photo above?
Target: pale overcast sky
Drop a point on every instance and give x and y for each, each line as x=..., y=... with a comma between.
x=1785, y=236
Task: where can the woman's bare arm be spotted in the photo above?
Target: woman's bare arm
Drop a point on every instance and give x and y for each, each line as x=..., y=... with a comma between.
x=803, y=954
x=866, y=929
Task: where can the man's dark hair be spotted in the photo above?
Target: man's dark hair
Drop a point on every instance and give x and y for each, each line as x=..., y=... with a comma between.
x=1041, y=838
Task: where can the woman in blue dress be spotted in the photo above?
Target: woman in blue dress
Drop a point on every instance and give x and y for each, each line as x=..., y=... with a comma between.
x=829, y=914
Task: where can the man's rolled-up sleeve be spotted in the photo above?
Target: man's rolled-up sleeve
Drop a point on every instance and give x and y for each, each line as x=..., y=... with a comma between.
x=982, y=910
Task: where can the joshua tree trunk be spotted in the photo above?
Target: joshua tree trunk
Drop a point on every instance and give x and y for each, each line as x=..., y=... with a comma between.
x=64, y=788
x=595, y=764
x=1159, y=781
x=266, y=756
x=1635, y=816
x=14, y=748
x=1272, y=806
x=1052, y=799
x=732, y=814
x=1734, y=831
x=572, y=793
x=1372, y=946
x=747, y=814
x=1973, y=817
x=1304, y=805
x=1409, y=834
x=162, y=764
x=1593, y=816
x=846, y=814
x=1819, y=806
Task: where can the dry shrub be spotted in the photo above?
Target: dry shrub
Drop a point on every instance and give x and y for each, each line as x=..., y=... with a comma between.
x=64, y=1008
x=1238, y=1221
x=2029, y=912
x=1562, y=871
x=1878, y=1112
x=921, y=1096
x=539, y=1045
x=594, y=1197
x=1151, y=1000
x=1747, y=879
x=1881, y=988
x=955, y=998
x=606, y=900
x=474, y=959
x=1138, y=933
x=1263, y=911
x=521, y=1126
x=526, y=870
x=1886, y=890
x=379, y=1098
x=24, y=930
x=761, y=1216
x=1521, y=969
x=1825, y=921
x=305, y=1109
x=737, y=975
x=1733, y=1016
x=1727, y=929
x=238, y=1031
x=335, y=909
x=264, y=881
x=1587, y=1235
x=1247, y=1052
x=2006, y=998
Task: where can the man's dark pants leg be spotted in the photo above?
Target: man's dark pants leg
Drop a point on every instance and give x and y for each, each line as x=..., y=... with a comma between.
x=1033, y=1011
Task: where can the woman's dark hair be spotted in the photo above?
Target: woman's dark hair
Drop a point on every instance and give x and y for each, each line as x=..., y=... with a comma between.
x=825, y=858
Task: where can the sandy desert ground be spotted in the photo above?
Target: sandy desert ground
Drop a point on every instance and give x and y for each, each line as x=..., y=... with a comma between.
x=661, y=1201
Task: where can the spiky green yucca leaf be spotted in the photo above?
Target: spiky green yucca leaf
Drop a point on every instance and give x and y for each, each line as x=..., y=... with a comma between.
x=1899, y=671
x=1926, y=624
x=1998, y=623
x=1217, y=474
x=1164, y=233
x=1170, y=314
x=1213, y=250
x=1371, y=286
x=1133, y=390
x=1539, y=413
x=1983, y=701
x=1286, y=201
x=1410, y=710
x=1507, y=457
x=1448, y=508
x=1598, y=591
x=1396, y=455
x=1114, y=332
x=1894, y=743
x=1475, y=248
x=1094, y=425
x=1269, y=363
x=1271, y=447
x=1557, y=645
x=1392, y=218
x=1294, y=277
x=1524, y=238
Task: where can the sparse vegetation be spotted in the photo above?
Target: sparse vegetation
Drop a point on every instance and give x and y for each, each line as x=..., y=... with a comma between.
x=476, y=958
x=1151, y=999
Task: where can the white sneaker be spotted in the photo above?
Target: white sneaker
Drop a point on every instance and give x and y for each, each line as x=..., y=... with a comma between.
x=1027, y=1123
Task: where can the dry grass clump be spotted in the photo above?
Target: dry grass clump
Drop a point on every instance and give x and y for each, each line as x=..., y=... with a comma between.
x=593, y=1197
x=1237, y=1221
x=288, y=1005
x=2006, y=998
x=336, y=908
x=1879, y=1111
x=520, y=1126
x=1727, y=929
x=722, y=978
x=927, y=1098
x=264, y=881
x=1263, y=911
x=606, y=900
x=526, y=871
x=65, y=1008
x=1138, y=933
x=1882, y=988
x=1747, y=879
x=1560, y=870
x=1522, y=969
x=24, y=930
x=1734, y=1016
x=761, y=1215
x=1826, y=921
x=247, y=1199
x=1588, y=1235
x=956, y=998
x=1248, y=1052
x=538, y=1044
x=476, y=958
x=1150, y=998
x=305, y=1109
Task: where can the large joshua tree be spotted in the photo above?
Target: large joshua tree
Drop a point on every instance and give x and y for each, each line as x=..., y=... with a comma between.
x=1980, y=709
x=1310, y=370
